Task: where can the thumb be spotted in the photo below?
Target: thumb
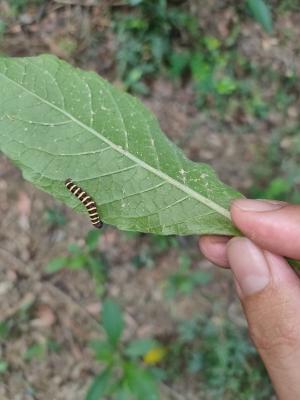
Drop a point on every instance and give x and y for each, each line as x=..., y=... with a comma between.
x=270, y=294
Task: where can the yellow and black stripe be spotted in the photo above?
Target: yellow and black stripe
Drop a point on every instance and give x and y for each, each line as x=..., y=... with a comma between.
x=88, y=202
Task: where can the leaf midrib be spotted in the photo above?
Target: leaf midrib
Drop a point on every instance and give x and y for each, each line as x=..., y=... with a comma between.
x=195, y=195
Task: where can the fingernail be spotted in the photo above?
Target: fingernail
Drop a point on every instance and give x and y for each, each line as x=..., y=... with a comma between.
x=249, y=265
x=258, y=205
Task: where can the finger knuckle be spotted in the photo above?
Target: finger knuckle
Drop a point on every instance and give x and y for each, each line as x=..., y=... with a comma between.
x=276, y=338
x=275, y=330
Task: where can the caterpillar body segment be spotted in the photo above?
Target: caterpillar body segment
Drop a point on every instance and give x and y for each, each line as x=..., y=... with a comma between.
x=87, y=201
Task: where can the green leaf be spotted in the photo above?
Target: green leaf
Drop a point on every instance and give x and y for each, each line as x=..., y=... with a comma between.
x=201, y=70
x=58, y=122
x=277, y=189
x=261, y=13
x=56, y=264
x=225, y=86
x=74, y=249
x=103, y=350
x=141, y=382
x=123, y=393
x=139, y=347
x=212, y=43
x=77, y=262
x=3, y=367
x=99, y=386
x=5, y=329
x=178, y=63
x=202, y=277
x=92, y=239
x=37, y=351
x=294, y=263
x=112, y=321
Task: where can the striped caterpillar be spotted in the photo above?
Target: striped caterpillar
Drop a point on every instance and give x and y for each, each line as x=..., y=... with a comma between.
x=87, y=201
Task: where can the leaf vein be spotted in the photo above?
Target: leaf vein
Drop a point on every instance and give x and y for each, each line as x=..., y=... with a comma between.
x=136, y=193
x=192, y=193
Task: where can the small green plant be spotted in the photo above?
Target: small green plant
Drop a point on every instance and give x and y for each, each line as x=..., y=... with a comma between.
x=11, y=328
x=276, y=172
x=144, y=259
x=155, y=37
x=156, y=246
x=261, y=13
x=5, y=329
x=36, y=351
x=288, y=5
x=212, y=72
x=159, y=243
x=145, y=36
x=2, y=28
x=86, y=257
x=3, y=366
x=185, y=280
x=221, y=357
x=124, y=375
x=19, y=6
x=39, y=351
x=55, y=217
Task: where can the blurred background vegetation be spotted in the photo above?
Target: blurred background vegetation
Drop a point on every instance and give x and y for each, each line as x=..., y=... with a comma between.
x=223, y=77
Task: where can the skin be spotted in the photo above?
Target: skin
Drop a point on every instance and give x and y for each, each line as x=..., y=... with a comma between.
x=269, y=289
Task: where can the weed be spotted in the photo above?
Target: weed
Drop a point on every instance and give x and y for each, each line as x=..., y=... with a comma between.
x=185, y=280
x=39, y=351
x=155, y=37
x=18, y=6
x=35, y=351
x=261, y=13
x=2, y=28
x=86, y=257
x=156, y=246
x=3, y=366
x=145, y=37
x=124, y=375
x=277, y=170
x=144, y=259
x=160, y=244
x=226, y=364
x=288, y=5
x=5, y=329
x=55, y=217
x=68, y=45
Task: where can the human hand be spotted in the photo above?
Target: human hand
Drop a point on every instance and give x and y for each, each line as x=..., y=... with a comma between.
x=268, y=287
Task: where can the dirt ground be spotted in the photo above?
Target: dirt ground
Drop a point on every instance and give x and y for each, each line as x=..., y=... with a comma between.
x=63, y=307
